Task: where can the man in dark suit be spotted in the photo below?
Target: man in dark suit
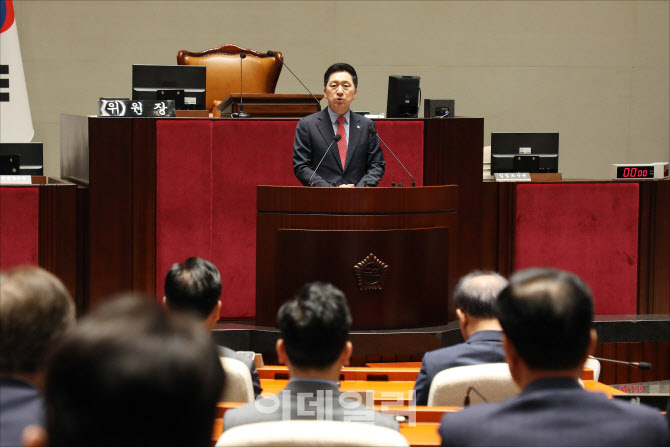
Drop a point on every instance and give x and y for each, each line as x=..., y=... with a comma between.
x=314, y=329
x=474, y=296
x=195, y=287
x=354, y=160
x=547, y=318
x=35, y=311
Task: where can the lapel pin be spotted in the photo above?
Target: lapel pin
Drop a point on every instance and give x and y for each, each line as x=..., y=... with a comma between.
x=358, y=127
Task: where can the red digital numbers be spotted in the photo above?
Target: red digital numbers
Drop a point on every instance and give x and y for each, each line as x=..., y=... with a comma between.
x=634, y=173
x=631, y=389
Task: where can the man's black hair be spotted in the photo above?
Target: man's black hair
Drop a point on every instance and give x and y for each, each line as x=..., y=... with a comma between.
x=315, y=325
x=194, y=286
x=340, y=66
x=131, y=374
x=547, y=315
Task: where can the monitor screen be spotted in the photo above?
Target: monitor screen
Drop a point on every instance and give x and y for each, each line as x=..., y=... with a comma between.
x=524, y=152
x=30, y=156
x=186, y=84
x=403, y=97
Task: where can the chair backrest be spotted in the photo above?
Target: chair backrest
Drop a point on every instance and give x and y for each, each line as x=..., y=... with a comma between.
x=238, y=386
x=492, y=380
x=594, y=364
x=261, y=71
x=311, y=433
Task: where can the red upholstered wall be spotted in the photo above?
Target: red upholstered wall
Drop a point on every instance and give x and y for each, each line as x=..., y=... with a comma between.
x=207, y=173
x=590, y=229
x=19, y=226
x=183, y=193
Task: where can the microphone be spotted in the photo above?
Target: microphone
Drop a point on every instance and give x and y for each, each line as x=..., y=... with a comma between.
x=466, y=401
x=337, y=137
x=241, y=113
x=318, y=103
x=373, y=131
x=639, y=365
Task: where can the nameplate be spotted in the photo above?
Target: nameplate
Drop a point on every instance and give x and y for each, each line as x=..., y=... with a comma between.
x=512, y=176
x=16, y=180
x=138, y=108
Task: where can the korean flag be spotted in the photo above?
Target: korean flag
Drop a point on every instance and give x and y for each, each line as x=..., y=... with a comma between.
x=16, y=125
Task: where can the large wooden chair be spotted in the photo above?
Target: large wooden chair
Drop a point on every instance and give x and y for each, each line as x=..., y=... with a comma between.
x=261, y=71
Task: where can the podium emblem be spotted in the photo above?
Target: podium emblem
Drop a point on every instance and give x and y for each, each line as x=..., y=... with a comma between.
x=371, y=273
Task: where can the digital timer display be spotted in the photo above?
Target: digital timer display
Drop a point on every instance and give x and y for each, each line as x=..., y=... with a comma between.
x=635, y=172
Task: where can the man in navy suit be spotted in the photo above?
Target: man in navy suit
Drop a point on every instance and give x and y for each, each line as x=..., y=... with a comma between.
x=474, y=296
x=35, y=311
x=356, y=158
x=314, y=329
x=547, y=318
x=194, y=287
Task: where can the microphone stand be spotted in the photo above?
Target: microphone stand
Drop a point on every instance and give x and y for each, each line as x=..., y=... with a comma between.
x=373, y=131
x=639, y=365
x=466, y=402
x=336, y=138
x=241, y=113
x=318, y=103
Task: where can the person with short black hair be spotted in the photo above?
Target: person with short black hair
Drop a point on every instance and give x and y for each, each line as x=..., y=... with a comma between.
x=475, y=296
x=356, y=159
x=194, y=287
x=35, y=311
x=547, y=320
x=314, y=344
x=131, y=374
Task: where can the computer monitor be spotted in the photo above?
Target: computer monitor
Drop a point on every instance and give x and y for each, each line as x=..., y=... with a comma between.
x=403, y=97
x=29, y=156
x=524, y=152
x=183, y=83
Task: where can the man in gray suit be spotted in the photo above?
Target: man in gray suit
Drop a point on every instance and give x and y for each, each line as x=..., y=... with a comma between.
x=547, y=318
x=194, y=287
x=314, y=344
x=356, y=158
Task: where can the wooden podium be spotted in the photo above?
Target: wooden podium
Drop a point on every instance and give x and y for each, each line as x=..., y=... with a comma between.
x=269, y=105
x=390, y=250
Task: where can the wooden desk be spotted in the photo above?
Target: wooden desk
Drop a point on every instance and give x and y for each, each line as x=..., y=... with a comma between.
x=409, y=366
x=397, y=392
x=38, y=226
x=423, y=434
x=401, y=392
x=349, y=373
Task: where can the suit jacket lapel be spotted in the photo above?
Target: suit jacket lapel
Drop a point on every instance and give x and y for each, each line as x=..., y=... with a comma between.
x=355, y=132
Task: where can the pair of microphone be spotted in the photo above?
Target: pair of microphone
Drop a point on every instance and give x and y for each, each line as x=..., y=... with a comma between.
x=336, y=138
x=372, y=132
x=242, y=113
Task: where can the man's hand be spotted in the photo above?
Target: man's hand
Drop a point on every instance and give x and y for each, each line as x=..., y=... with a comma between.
x=349, y=185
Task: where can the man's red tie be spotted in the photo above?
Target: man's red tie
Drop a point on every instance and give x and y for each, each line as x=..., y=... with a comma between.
x=342, y=144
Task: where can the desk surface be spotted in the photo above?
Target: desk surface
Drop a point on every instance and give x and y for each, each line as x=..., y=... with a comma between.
x=401, y=392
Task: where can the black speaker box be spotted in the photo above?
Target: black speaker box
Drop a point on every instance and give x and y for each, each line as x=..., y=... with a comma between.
x=403, y=97
x=439, y=108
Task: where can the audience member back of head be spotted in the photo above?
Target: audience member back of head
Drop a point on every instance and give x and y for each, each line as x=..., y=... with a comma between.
x=35, y=310
x=547, y=317
x=475, y=297
x=194, y=287
x=314, y=344
x=131, y=374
